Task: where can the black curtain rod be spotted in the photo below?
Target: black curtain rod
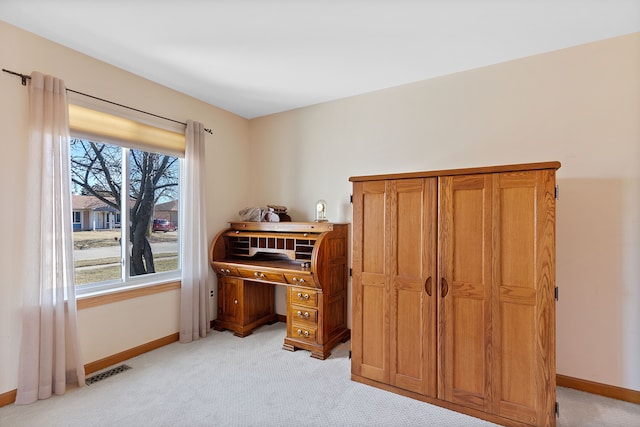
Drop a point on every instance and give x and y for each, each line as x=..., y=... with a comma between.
x=24, y=78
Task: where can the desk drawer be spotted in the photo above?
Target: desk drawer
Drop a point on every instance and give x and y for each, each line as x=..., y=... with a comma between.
x=300, y=331
x=304, y=279
x=303, y=314
x=225, y=269
x=255, y=274
x=303, y=296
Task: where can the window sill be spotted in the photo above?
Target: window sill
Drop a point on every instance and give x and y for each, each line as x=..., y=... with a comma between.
x=98, y=298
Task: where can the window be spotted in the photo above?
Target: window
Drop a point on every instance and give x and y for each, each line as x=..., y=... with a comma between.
x=120, y=192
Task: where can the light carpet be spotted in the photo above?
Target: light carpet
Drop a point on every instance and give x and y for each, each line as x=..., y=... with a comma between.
x=223, y=380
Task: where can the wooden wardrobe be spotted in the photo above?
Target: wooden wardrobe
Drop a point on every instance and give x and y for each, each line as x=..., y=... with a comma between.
x=453, y=298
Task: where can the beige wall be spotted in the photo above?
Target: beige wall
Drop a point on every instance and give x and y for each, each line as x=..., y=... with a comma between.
x=112, y=328
x=580, y=106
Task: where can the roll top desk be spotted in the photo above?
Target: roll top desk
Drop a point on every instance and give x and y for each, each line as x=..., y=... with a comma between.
x=309, y=258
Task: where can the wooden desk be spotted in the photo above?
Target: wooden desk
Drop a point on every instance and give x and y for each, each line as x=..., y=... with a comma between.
x=309, y=258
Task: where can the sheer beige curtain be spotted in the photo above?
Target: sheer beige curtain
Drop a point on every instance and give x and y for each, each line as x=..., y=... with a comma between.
x=49, y=353
x=194, y=319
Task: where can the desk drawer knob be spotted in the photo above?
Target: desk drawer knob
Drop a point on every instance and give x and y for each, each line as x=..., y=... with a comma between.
x=303, y=296
x=302, y=315
x=301, y=333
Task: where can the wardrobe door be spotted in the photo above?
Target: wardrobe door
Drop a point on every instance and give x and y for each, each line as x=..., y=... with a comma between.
x=413, y=280
x=370, y=282
x=524, y=305
x=464, y=268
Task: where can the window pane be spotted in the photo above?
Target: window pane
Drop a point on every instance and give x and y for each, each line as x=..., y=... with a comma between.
x=153, y=212
x=96, y=175
x=151, y=227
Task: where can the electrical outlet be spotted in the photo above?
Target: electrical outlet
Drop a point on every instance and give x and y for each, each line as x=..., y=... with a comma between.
x=211, y=293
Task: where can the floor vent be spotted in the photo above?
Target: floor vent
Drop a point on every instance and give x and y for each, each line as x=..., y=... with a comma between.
x=106, y=374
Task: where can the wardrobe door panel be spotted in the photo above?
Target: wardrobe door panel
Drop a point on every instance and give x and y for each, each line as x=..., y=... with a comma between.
x=413, y=231
x=370, y=306
x=464, y=312
x=523, y=283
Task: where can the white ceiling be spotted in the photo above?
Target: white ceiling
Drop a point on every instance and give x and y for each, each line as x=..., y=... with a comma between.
x=257, y=57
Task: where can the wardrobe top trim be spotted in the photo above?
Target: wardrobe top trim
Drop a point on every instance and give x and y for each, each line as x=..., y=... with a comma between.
x=466, y=171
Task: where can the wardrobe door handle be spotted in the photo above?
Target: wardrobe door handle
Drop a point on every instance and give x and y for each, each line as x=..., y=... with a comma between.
x=427, y=286
x=444, y=287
